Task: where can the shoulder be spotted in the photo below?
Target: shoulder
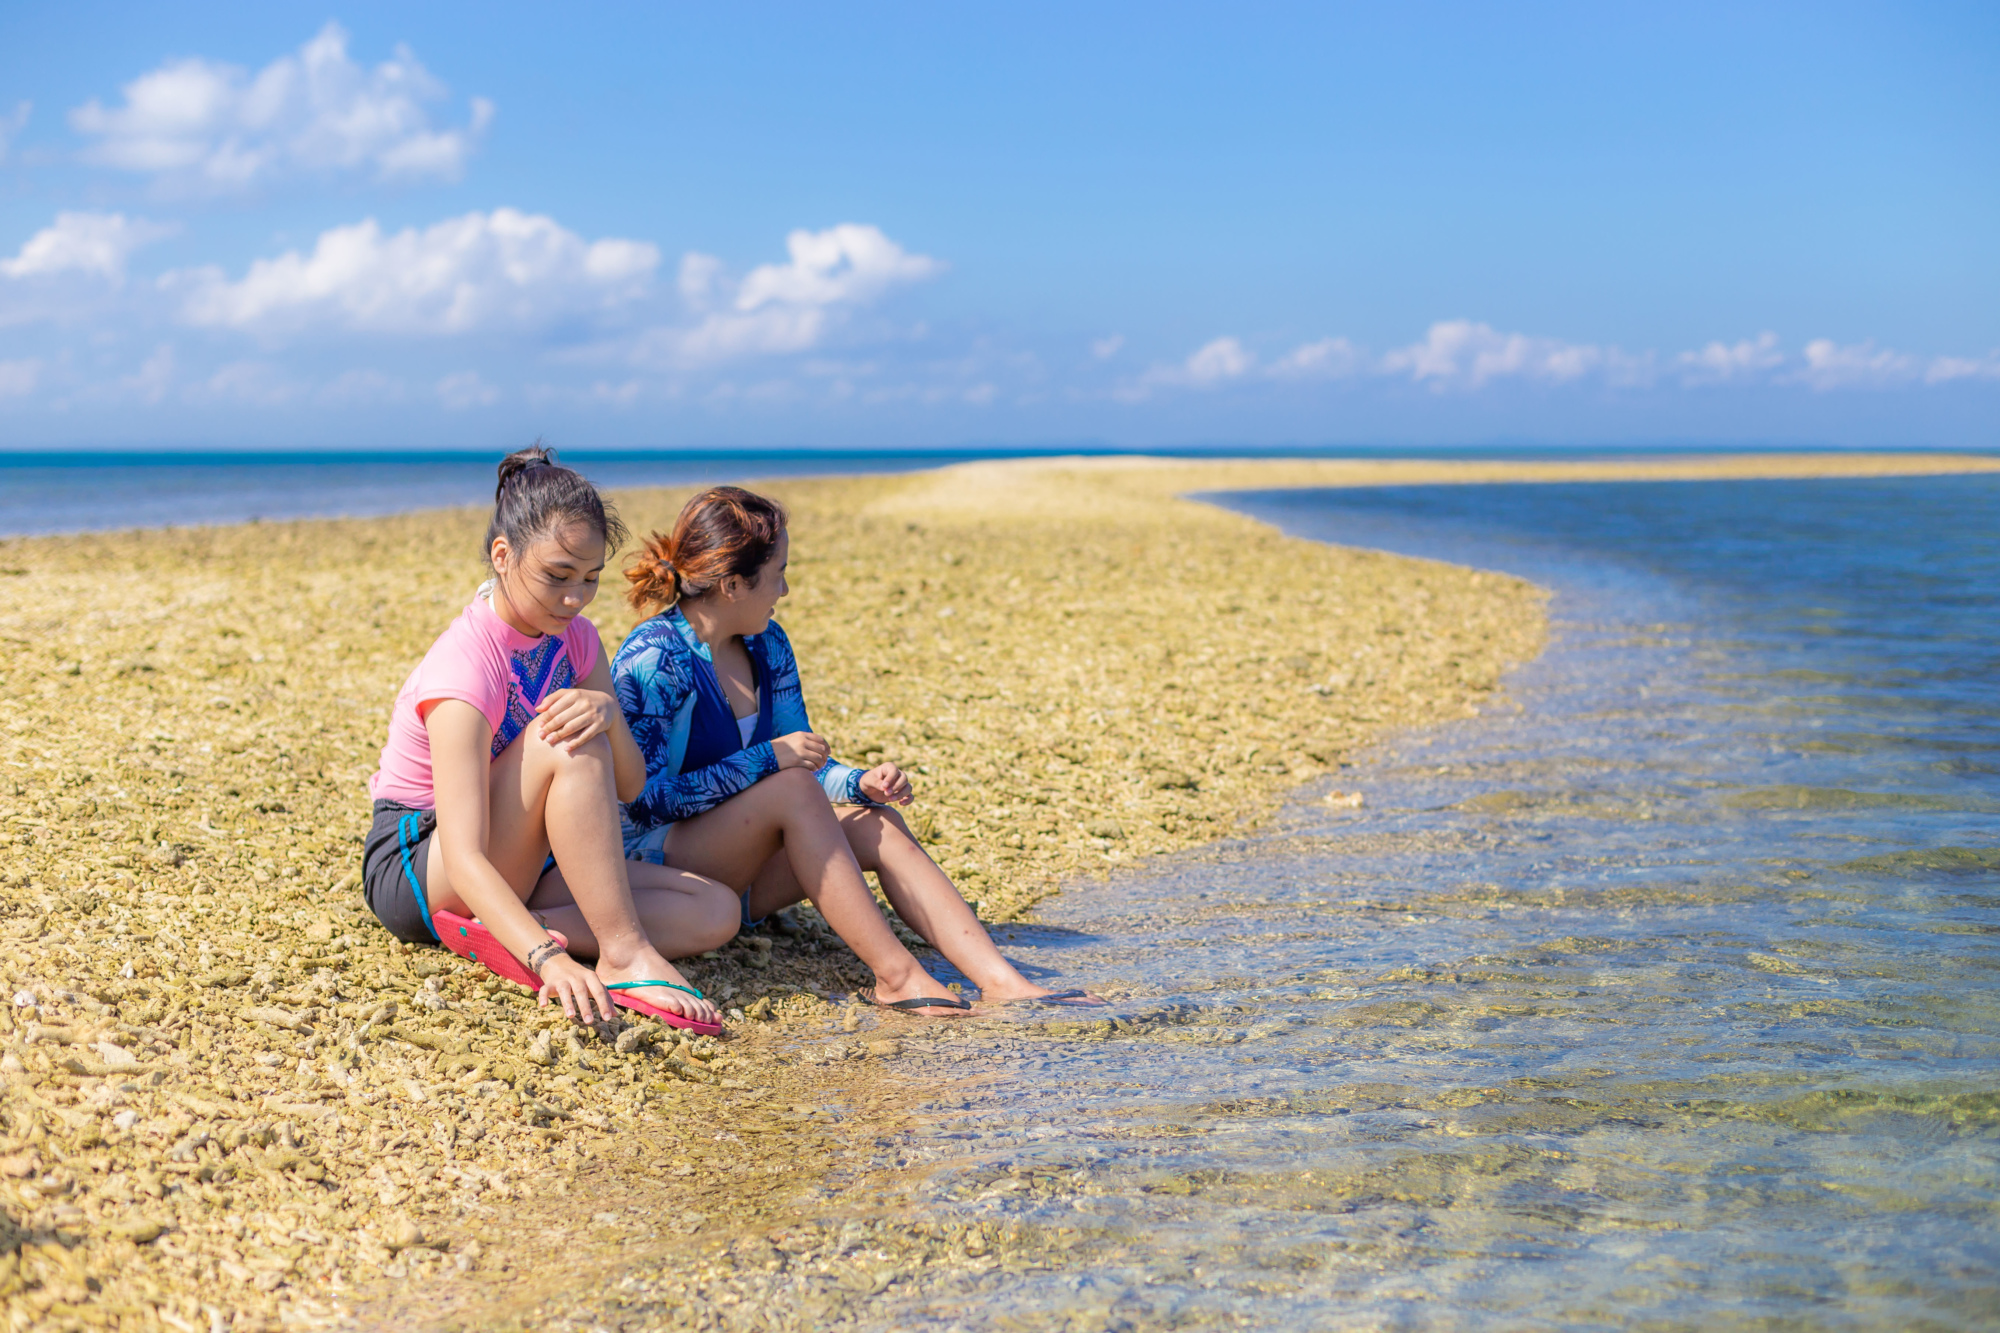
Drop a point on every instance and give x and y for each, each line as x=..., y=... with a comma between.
x=467, y=662
x=652, y=645
x=467, y=644
x=777, y=646
x=582, y=644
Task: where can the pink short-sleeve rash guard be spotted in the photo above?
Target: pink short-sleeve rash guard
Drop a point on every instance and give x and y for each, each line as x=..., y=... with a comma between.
x=485, y=662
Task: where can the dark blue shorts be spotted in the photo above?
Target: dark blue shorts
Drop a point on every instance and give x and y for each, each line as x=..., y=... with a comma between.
x=395, y=870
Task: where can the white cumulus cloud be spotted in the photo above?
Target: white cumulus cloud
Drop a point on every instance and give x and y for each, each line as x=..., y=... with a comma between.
x=1744, y=359
x=1212, y=363
x=1215, y=362
x=1463, y=354
x=94, y=244
x=850, y=264
x=316, y=111
x=483, y=272
x=1328, y=358
x=784, y=308
x=1829, y=365
x=1944, y=369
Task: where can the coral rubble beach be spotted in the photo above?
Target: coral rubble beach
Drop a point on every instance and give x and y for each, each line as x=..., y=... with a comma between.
x=231, y=1101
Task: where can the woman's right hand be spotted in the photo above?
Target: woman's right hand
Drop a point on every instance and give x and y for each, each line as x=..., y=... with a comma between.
x=801, y=749
x=578, y=987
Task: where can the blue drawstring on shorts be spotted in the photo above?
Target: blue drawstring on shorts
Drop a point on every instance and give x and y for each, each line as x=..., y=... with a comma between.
x=406, y=838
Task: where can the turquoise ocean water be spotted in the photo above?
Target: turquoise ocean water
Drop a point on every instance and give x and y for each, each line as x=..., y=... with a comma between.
x=1664, y=994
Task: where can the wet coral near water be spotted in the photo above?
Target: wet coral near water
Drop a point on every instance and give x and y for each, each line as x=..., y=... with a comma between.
x=232, y=1101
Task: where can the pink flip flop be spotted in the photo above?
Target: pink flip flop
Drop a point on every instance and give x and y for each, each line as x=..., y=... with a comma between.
x=469, y=938
x=620, y=992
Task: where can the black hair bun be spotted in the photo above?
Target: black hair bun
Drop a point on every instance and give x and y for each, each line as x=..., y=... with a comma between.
x=514, y=464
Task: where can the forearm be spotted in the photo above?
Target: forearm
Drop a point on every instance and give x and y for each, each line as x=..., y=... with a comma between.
x=628, y=764
x=671, y=797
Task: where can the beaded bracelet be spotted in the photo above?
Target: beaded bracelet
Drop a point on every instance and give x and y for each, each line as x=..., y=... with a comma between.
x=541, y=954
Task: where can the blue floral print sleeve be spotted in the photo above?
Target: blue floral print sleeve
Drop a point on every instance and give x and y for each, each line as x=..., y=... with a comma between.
x=652, y=675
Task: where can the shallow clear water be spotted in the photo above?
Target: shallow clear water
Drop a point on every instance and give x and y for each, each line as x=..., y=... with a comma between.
x=1664, y=994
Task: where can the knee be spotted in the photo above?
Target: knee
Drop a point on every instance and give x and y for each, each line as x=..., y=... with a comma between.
x=719, y=918
x=796, y=786
x=795, y=779
x=592, y=755
x=889, y=820
x=875, y=823
x=872, y=830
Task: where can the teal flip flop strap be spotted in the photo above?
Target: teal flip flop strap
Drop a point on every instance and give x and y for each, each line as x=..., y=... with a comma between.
x=634, y=985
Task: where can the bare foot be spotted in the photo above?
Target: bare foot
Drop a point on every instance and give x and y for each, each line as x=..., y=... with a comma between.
x=1024, y=990
x=651, y=966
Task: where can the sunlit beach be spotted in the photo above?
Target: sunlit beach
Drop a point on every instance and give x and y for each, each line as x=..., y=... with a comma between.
x=964, y=671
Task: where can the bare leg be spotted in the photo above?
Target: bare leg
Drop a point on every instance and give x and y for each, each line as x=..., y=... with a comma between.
x=545, y=798
x=682, y=914
x=788, y=816
x=921, y=893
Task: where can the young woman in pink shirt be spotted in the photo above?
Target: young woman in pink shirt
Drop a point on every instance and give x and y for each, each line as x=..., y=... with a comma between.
x=496, y=826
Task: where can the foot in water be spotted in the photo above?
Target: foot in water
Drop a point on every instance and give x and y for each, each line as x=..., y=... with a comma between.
x=920, y=994
x=1027, y=992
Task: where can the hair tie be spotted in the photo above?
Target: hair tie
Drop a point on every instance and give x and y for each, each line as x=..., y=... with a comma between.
x=539, y=463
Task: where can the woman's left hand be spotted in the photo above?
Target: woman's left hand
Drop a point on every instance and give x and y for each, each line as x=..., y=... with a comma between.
x=886, y=784
x=572, y=717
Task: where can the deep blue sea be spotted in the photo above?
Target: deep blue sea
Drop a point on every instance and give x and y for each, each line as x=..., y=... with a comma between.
x=44, y=494
x=81, y=491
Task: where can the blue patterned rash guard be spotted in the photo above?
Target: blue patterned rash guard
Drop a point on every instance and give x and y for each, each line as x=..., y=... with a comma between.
x=654, y=675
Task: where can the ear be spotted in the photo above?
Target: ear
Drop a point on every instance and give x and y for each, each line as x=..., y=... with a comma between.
x=500, y=554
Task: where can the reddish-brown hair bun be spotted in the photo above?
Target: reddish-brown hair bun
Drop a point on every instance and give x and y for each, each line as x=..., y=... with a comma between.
x=725, y=530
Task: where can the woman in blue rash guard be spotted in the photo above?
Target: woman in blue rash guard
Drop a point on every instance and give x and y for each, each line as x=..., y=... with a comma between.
x=740, y=789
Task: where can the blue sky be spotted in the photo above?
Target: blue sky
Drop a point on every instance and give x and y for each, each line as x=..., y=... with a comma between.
x=660, y=225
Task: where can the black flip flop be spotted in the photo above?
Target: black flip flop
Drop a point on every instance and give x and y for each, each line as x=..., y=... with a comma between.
x=921, y=1002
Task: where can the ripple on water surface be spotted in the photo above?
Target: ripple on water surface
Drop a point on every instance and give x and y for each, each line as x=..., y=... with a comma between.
x=1663, y=995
